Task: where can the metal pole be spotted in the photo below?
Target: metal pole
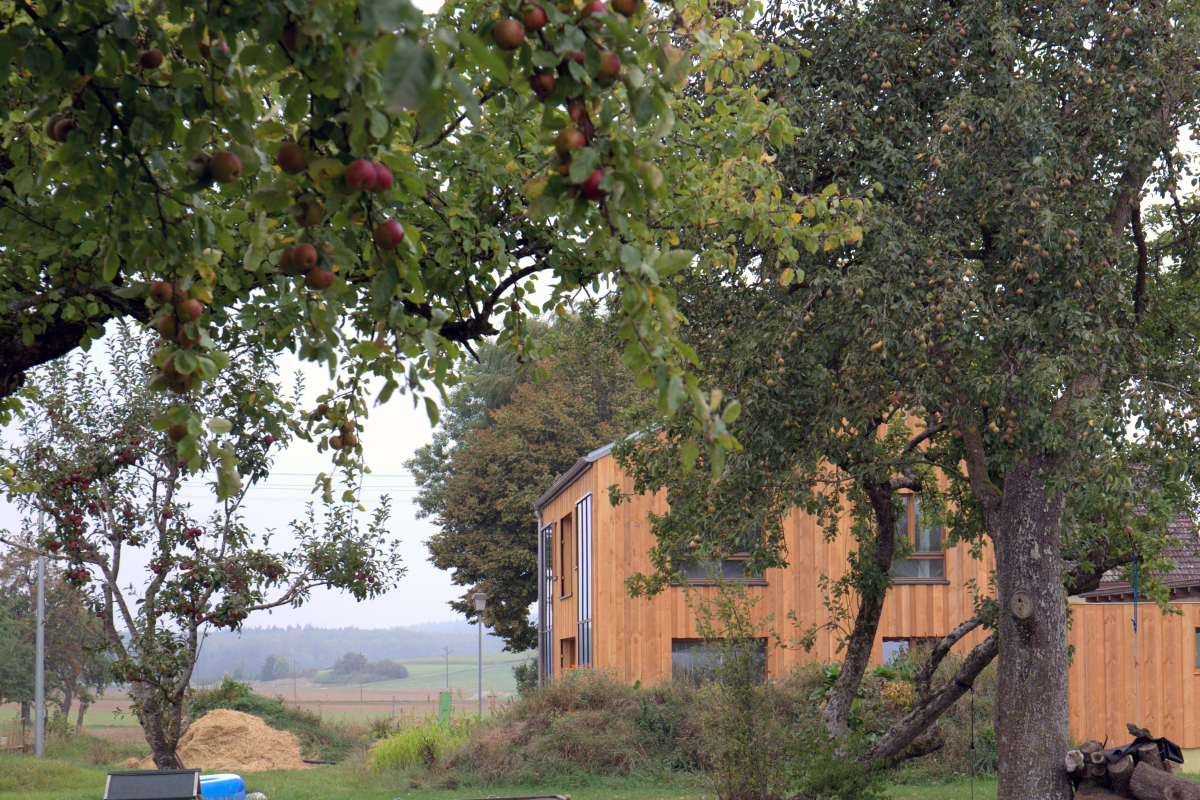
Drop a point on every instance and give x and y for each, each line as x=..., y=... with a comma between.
x=294, y=680
x=39, y=678
x=481, y=665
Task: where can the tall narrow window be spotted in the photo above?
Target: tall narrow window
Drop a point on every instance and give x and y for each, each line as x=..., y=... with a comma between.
x=583, y=585
x=928, y=561
x=1198, y=649
x=566, y=557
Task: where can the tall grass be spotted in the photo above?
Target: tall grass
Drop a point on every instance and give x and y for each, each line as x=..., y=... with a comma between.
x=423, y=744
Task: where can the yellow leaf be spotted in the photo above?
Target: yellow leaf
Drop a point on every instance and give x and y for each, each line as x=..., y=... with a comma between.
x=796, y=218
x=673, y=239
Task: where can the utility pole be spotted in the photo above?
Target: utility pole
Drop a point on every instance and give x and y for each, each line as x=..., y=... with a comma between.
x=39, y=677
x=293, y=680
x=447, y=649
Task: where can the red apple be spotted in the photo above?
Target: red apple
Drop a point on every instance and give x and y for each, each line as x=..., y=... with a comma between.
x=389, y=235
x=64, y=127
x=48, y=128
x=594, y=8
x=151, y=59
x=291, y=158
x=591, y=185
x=626, y=7
x=569, y=139
x=226, y=167
x=360, y=175
x=177, y=431
x=303, y=258
x=189, y=310
x=534, y=18
x=161, y=292
x=383, y=179
x=509, y=33
x=543, y=84
x=610, y=65
x=574, y=55
x=319, y=279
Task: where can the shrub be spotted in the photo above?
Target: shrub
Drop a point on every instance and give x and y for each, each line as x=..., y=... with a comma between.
x=526, y=673
x=424, y=744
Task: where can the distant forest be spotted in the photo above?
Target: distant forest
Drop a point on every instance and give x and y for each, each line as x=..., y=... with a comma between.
x=242, y=654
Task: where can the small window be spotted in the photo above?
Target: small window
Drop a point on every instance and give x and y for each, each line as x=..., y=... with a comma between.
x=566, y=558
x=1198, y=649
x=695, y=661
x=928, y=561
x=732, y=569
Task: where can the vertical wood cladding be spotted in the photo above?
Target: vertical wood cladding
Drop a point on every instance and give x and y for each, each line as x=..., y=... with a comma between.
x=632, y=636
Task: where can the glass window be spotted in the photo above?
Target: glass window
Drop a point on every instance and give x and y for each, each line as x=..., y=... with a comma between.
x=732, y=569
x=696, y=660
x=929, y=560
x=1198, y=649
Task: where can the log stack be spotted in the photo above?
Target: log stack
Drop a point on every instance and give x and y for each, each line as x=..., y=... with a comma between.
x=1141, y=775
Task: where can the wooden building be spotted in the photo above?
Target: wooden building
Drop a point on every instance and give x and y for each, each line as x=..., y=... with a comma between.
x=587, y=549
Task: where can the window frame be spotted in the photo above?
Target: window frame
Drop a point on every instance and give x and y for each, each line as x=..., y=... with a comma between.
x=568, y=561
x=910, y=518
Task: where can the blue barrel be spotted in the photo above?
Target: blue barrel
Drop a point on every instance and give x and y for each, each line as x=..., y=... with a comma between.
x=225, y=786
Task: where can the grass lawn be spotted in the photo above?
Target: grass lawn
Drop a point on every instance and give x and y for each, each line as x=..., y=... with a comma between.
x=23, y=777
x=27, y=778
x=464, y=673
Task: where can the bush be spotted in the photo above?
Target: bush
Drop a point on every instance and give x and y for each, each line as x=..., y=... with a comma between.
x=422, y=745
x=526, y=674
x=316, y=739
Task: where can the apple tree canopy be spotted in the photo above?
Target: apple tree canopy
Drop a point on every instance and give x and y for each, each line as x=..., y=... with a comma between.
x=374, y=189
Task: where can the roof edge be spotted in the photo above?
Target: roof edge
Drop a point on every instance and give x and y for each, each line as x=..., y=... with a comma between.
x=568, y=477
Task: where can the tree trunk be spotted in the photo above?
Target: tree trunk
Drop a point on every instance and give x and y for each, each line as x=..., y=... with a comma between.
x=1148, y=754
x=79, y=721
x=1090, y=791
x=1031, y=682
x=836, y=715
x=161, y=735
x=68, y=696
x=25, y=712
x=893, y=745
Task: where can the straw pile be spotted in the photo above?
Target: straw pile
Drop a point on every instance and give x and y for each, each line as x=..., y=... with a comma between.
x=230, y=741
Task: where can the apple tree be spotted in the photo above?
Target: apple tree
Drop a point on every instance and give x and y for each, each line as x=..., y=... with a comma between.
x=97, y=459
x=1009, y=316
x=371, y=189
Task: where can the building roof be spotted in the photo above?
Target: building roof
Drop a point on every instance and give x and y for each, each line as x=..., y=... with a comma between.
x=570, y=475
x=1183, y=581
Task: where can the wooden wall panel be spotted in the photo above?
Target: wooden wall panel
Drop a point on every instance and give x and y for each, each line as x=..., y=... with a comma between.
x=1102, y=679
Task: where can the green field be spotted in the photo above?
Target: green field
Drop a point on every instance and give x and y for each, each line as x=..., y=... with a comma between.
x=431, y=672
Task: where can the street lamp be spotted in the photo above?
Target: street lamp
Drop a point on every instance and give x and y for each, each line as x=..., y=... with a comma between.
x=480, y=605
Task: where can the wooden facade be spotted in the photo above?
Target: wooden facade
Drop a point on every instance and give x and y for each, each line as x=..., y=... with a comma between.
x=587, y=618
x=1151, y=679
x=634, y=636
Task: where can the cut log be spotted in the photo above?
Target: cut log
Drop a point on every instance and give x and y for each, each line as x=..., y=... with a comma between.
x=1173, y=767
x=1090, y=791
x=1090, y=747
x=1119, y=774
x=1148, y=754
x=1073, y=763
x=1097, y=758
x=1098, y=773
x=1149, y=783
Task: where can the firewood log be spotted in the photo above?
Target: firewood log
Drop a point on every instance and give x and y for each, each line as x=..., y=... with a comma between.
x=1097, y=758
x=1073, y=763
x=1090, y=747
x=1149, y=783
x=1098, y=773
x=1148, y=754
x=1119, y=774
x=1090, y=791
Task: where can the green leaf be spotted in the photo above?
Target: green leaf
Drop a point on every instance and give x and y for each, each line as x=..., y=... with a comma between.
x=220, y=425
x=431, y=408
x=270, y=199
x=410, y=72
x=485, y=56
x=673, y=261
x=691, y=451
x=733, y=409
x=583, y=162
